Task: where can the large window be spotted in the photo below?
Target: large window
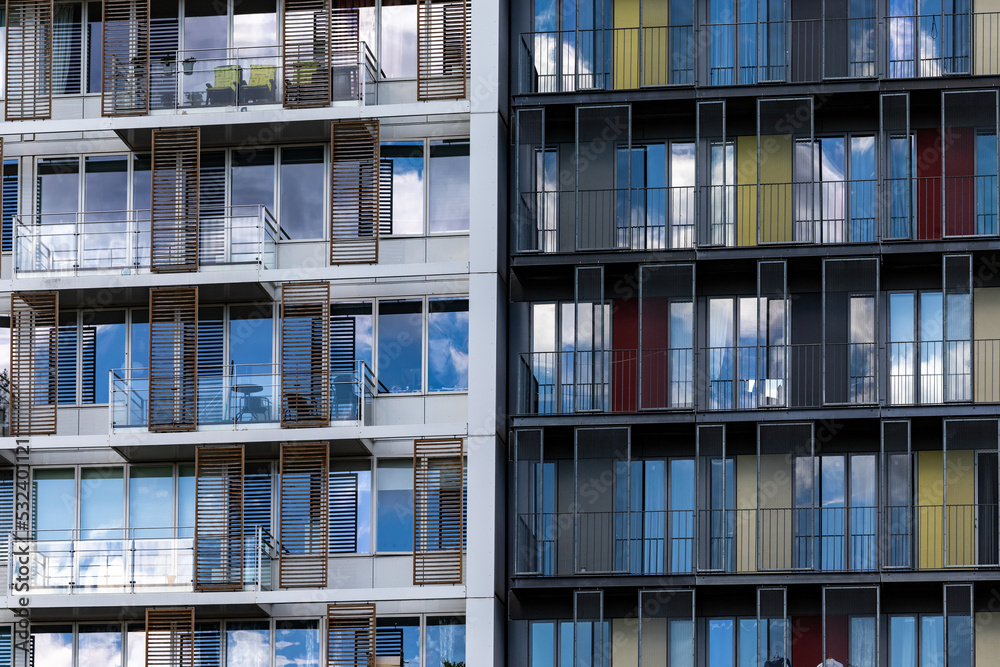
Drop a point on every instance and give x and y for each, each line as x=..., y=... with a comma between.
x=448, y=345
x=399, y=39
x=400, y=357
x=429, y=185
x=302, y=193
x=394, y=502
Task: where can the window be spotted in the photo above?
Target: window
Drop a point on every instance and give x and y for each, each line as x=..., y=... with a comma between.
x=448, y=174
x=448, y=345
x=10, y=199
x=248, y=643
x=99, y=645
x=296, y=643
x=91, y=344
x=429, y=182
x=350, y=507
x=400, y=357
x=394, y=505
x=444, y=640
x=399, y=39
x=52, y=645
x=398, y=640
x=302, y=193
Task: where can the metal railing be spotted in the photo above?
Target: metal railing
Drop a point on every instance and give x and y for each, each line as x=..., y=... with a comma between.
x=250, y=76
x=710, y=379
x=935, y=372
x=764, y=539
x=133, y=560
x=242, y=396
x=748, y=53
x=75, y=243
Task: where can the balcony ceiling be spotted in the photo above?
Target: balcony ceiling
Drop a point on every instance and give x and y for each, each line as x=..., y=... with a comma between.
x=138, y=295
x=237, y=134
x=144, y=450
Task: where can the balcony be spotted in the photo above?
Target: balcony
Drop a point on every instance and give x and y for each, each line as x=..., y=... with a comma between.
x=208, y=79
x=136, y=560
x=244, y=397
x=781, y=540
x=750, y=53
x=118, y=242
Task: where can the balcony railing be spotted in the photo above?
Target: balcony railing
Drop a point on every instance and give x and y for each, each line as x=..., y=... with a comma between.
x=136, y=560
x=119, y=241
x=202, y=79
x=781, y=539
x=717, y=378
x=749, y=53
x=936, y=372
x=243, y=396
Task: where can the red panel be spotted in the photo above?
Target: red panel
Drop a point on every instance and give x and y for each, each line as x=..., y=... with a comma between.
x=624, y=364
x=929, y=184
x=960, y=182
x=655, y=378
x=838, y=644
x=807, y=640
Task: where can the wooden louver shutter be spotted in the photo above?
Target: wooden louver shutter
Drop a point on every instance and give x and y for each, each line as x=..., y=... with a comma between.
x=305, y=29
x=125, y=32
x=385, y=177
x=218, y=528
x=305, y=349
x=173, y=359
x=438, y=524
x=303, y=515
x=175, y=199
x=34, y=352
x=354, y=192
x=350, y=635
x=170, y=637
x=28, y=82
x=443, y=48
x=345, y=40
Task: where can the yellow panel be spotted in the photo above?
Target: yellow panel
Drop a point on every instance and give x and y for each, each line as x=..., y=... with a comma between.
x=987, y=633
x=654, y=643
x=626, y=44
x=960, y=511
x=986, y=350
x=776, y=188
x=746, y=191
x=625, y=647
x=776, y=512
x=985, y=30
x=746, y=519
x=930, y=510
x=655, y=43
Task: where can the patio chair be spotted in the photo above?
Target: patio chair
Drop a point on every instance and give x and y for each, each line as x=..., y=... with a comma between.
x=260, y=86
x=227, y=80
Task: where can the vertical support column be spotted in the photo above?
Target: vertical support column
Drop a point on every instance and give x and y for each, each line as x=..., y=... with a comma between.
x=34, y=363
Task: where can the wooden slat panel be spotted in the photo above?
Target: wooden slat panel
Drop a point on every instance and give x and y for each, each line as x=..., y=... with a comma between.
x=173, y=359
x=175, y=199
x=345, y=39
x=354, y=192
x=305, y=349
x=303, y=515
x=438, y=510
x=350, y=635
x=218, y=516
x=443, y=48
x=385, y=177
x=125, y=32
x=170, y=637
x=343, y=512
x=305, y=29
x=28, y=81
x=34, y=352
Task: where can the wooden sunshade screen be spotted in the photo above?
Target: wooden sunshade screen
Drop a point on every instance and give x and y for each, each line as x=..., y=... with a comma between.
x=350, y=635
x=33, y=363
x=218, y=518
x=305, y=349
x=345, y=54
x=125, y=33
x=443, y=48
x=303, y=515
x=173, y=359
x=28, y=83
x=176, y=184
x=354, y=192
x=170, y=637
x=305, y=63
x=438, y=524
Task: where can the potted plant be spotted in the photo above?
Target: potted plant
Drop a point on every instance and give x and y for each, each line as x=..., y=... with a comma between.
x=188, y=65
x=168, y=62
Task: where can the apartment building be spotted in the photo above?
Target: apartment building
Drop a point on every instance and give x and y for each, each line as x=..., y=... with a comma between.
x=754, y=334
x=243, y=275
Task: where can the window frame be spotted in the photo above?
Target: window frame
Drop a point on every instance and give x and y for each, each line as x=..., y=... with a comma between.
x=426, y=144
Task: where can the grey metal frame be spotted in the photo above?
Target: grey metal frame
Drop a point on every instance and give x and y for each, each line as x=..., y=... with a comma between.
x=576, y=492
x=694, y=331
x=945, y=96
x=967, y=258
x=703, y=176
x=877, y=614
x=884, y=496
x=616, y=145
x=576, y=621
x=883, y=156
x=812, y=455
x=537, y=570
x=968, y=597
x=945, y=563
x=668, y=593
x=765, y=628
x=703, y=528
x=598, y=359
x=796, y=137
x=763, y=351
x=876, y=295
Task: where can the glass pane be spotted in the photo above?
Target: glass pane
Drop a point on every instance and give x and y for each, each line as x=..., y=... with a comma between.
x=398, y=641
x=254, y=24
x=94, y=47
x=399, y=39
x=102, y=503
x=302, y=193
x=407, y=185
x=449, y=186
x=394, y=506
x=296, y=643
x=67, y=48
x=54, y=494
x=104, y=339
x=400, y=358
x=445, y=640
x=931, y=640
x=139, y=339
x=53, y=645
x=58, y=189
x=361, y=313
x=185, y=500
x=206, y=26
x=136, y=645
x=903, y=641
x=543, y=644
x=100, y=645
x=151, y=501
x=248, y=643
x=448, y=345
x=720, y=642
x=253, y=179
x=362, y=504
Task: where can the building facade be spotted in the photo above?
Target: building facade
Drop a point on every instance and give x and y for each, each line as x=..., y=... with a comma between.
x=753, y=334
x=241, y=279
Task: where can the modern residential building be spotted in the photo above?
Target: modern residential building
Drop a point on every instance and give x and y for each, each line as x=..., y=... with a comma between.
x=754, y=334
x=241, y=281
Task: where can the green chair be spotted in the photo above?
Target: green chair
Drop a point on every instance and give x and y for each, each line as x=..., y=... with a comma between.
x=260, y=86
x=227, y=80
